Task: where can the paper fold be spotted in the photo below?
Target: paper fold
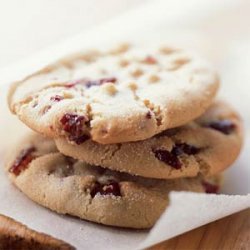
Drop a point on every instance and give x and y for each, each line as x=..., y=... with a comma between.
x=188, y=211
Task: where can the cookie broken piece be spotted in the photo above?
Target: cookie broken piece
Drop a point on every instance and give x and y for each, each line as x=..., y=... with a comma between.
x=206, y=146
x=92, y=192
x=14, y=235
x=115, y=97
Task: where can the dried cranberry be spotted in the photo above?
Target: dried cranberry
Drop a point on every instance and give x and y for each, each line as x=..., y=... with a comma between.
x=210, y=188
x=89, y=83
x=79, y=139
x=150, y=60
x=73, y=124
x=111, y=188
x=183, y=148
x=171, y=158
x=224, y=126
x=56, y=98
x=22, y=161
x=75, y=82
x=149, y=115
x=168, y=157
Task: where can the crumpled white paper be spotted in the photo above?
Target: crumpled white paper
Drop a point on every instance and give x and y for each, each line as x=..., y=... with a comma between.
x=202, y=25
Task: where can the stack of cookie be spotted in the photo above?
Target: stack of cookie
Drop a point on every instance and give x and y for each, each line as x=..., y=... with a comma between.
x=122, y=129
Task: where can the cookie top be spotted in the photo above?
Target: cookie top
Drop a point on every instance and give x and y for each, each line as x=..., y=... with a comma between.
x=72, y=187
x=125, y=94
x=207, y=145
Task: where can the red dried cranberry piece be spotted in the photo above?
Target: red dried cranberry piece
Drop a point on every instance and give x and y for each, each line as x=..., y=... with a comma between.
x=171, y=158
x=210, y=188
x=149, y=115
x=224, y=126
x=96, y=189
x=79, y=139
x=22, y=161
x=183, y=148
x=73, y=124
x=168, y=157
x=111, y=188
x=150, y=60
x=76, y=82
x=56, y=98
x=100, y=81
x=89, y=83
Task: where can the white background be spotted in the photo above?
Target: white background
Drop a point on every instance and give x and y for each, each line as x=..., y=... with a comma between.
x=30, y=25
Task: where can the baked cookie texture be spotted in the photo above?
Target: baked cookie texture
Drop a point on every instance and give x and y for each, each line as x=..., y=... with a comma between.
x=72, y=187
x=126, y=94
x=205, y=146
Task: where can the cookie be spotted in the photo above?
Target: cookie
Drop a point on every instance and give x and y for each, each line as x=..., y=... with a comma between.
x=14, y=235
x=207, y=145
x=93, y=193
x=122, y=95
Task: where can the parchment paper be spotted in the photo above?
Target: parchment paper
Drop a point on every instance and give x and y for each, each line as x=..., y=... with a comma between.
x=219, y=30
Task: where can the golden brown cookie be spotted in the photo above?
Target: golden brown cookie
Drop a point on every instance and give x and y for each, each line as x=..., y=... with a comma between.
x=93, y=193
x=115, y=96
x=207, y=145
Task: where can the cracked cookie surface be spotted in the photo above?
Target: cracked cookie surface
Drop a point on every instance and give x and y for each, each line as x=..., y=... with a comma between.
x=122, y=95
x=207, y=145
x=72, y=187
